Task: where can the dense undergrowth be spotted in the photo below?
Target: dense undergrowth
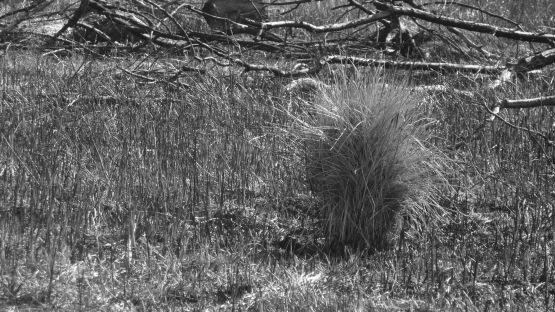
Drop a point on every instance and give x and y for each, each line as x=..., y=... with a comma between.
x=124, y=194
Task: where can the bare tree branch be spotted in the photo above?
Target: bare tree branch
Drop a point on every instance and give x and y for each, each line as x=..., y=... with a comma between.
x=523, y=65
x=536, y=61
x=83, y=7
x=468, y=25
x=326, y=28
x=444, y=67
x=529, y=103
x=472, y=7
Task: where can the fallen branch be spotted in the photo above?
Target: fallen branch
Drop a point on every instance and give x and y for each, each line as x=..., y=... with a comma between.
x=524, y=65
x=94, y=30
x=326, y=28
x=528, y=103
x=83, y=6
x=468, y=25
x=443, y=67
x=536, y=61
x=472, y=7
x=471, y=43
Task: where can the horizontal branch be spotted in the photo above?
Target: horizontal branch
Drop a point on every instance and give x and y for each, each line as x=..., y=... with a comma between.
x=326, y=28
x=468, y=25
x=443, y=67
x=536, y=61
x=523, y=65
x=276, y=71
x=529, y=103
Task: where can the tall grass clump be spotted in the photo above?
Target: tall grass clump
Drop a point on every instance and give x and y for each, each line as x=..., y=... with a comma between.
x=370, y=161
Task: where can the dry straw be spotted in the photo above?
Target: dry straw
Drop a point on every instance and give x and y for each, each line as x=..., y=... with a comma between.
x=369, y=160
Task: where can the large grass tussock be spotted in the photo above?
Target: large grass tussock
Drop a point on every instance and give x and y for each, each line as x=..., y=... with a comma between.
x=370, y=161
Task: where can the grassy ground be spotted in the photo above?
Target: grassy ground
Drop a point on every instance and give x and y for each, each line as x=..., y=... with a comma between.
x=122, y=194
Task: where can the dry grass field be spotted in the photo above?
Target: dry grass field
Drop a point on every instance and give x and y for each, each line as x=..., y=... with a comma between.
x=221, y=190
